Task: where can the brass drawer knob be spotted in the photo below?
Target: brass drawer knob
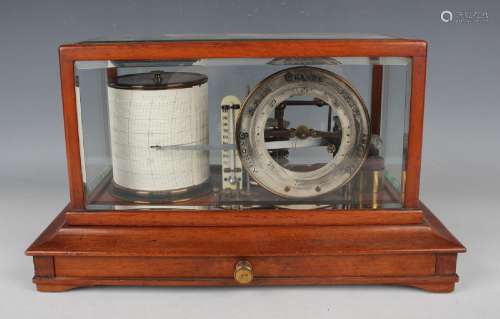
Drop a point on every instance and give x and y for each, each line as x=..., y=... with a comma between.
x=243, y=273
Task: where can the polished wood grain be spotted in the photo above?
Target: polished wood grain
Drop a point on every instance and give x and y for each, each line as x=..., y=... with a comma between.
x=421, y=255
x=44, y=266
x=415, y=132
x=242, y=241
x=428, y=283
x=263, y=267
x=247, y=240
x=52, y=229
x=188, y=50
x=76, y=189
x=446, y=264
x=264, y=217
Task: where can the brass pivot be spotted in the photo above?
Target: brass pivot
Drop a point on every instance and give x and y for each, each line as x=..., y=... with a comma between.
x=243, y=273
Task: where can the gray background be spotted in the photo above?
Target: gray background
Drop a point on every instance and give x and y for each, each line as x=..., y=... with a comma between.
x=460, y=159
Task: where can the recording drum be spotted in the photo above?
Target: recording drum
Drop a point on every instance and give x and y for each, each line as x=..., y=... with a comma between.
x=158, y=125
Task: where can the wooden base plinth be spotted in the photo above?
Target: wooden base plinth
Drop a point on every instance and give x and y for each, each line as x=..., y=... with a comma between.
x=73, y=252
x=431, y=284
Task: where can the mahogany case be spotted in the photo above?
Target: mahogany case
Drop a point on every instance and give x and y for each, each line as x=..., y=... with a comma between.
x=388, y=246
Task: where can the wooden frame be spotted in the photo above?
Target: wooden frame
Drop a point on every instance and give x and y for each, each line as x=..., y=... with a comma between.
x=412, y=233
x=376, y=98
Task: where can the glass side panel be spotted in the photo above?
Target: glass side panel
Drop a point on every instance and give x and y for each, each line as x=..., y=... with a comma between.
x=237, y=36
x=243, y=133
x=394, y=126
x=94, y=128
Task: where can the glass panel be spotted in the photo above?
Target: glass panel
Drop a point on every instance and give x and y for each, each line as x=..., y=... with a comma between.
x=242, y=133
x=394, y=128
x=238, y=36
x=94, y=128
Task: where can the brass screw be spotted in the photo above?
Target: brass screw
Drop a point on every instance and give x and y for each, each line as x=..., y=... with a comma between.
x=331, y=148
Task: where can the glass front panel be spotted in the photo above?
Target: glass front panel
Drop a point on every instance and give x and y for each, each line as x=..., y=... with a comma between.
x=217, y=134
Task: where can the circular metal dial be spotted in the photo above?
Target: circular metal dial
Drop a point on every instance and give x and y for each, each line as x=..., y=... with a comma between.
x=317, y=83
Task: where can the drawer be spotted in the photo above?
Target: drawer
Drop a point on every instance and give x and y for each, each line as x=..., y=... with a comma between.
x=262, y=267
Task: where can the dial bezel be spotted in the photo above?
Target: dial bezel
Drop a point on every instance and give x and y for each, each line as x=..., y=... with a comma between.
x=317, y=83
